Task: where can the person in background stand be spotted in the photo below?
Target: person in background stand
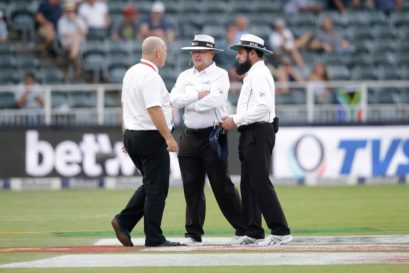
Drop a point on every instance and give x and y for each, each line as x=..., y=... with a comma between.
x=30, y=95
x=147, y=125
x=257, y=125
x=47, y=16
x=202, y=91
x=3, y=29
x=156, y=24
x=72, y=30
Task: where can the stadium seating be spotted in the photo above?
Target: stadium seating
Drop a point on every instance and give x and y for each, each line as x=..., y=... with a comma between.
x=7, y=100
x=381, y=43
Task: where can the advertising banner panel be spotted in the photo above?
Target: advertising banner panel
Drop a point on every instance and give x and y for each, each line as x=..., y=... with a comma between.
x=331, y=152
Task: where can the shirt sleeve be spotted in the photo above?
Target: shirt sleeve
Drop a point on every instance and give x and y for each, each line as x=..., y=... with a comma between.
x=219, y=91
x=152, y=90
x=179, y=97
x=260, y=98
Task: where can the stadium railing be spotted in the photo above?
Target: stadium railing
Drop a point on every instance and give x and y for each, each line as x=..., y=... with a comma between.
x=99, y=104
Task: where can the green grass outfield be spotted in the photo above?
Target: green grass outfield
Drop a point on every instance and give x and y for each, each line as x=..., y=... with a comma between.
x=80, y=217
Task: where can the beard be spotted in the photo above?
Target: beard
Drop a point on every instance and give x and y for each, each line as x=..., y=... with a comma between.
x=243, y=68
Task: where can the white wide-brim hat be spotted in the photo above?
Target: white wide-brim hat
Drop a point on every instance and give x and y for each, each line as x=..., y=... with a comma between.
x=202, y=42
x=251, y=41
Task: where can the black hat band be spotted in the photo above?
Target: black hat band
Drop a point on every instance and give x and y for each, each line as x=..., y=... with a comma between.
x=202, y=44
x=251, y=44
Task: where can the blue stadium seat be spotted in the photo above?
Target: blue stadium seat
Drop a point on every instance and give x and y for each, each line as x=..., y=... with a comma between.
x=22, y=21
x=7, y=100
x=53, y=76
x=6, y=48
x=116, y=72
x=338, y=72
x=387, y=72
x=383, y=32
x=59, y=99
x=363, y=72
x=82, y=99
x=8, y=62
x=216, y=31
x=27, y=62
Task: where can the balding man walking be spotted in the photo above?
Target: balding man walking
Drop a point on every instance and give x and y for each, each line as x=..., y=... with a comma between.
x=146, y=128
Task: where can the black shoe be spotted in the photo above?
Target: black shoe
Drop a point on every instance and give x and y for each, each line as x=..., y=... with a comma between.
x=167, y=243
x=122, y=235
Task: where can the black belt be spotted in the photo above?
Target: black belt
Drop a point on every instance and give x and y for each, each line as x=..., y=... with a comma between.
x=252, y=125
x=199, y=131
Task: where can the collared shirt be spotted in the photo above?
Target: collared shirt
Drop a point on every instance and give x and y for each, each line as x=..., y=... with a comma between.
x=94, y=15
x=256, y=101
x=143, y=88
x=204, y=112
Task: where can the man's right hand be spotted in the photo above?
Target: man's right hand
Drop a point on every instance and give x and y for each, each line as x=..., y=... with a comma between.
x=172, y=144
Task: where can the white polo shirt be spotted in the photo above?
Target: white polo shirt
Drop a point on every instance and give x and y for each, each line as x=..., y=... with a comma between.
x=201, y=113
x=143, y=88
x=256, y=101
x=94, y=15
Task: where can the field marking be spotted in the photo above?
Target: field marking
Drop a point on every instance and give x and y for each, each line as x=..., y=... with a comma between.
x=369, y=239
x=213, y=248
x=229, y=259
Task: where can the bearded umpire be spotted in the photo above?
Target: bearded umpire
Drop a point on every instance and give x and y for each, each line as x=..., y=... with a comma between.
x=256, y=122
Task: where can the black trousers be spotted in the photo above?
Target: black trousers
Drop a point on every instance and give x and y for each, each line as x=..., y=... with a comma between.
x=258, y=195
x=148, y=151
x=196, y=159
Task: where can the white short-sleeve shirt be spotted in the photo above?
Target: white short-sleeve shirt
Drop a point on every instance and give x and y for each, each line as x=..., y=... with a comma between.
x=143, y=88
x=94, y=15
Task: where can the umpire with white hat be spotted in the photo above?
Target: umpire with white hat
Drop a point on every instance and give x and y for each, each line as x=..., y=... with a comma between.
x=202, y=91
x=257, y=124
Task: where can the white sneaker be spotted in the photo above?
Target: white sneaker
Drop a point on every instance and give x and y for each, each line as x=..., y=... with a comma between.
x=189, y=241
x=276, y=240
x=243, y=240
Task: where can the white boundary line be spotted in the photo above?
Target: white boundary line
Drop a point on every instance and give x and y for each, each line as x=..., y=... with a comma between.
x=230, y=259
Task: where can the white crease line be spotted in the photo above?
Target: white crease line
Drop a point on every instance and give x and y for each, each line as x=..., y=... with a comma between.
x=367, y=239
x=240, y=259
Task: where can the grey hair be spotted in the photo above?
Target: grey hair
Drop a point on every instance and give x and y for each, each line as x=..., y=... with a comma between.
x=151, y=44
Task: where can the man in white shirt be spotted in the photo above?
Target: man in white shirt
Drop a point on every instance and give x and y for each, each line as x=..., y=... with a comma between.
x=202, y=91
x=147, y=125
x=257, y=125
x=95, y=14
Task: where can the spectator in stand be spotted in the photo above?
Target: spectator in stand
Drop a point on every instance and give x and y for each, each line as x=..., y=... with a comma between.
x=241, y=25
x=72, y=30
x=29, y=94
x=156, y=25
x=319, y=78
x=388, y=6
x=3, y=29
x=282, y=41
x=286, y=73
x=128, y=27
x=95, y=15
x=328, y=40
x=47, y=16
x=227, y=60
x=297, y=6
x=339, y=5
x=358, y=4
